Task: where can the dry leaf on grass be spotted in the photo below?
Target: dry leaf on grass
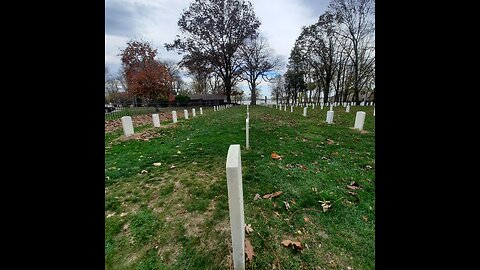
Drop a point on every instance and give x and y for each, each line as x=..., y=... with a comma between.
x=248, y=228
x=257, y=196
x=306, y=219
x=249, y=250
x=144, y=171
x=325, y=205
x=157, y=164
x=365, y=218
x=276, y=156
x=173, y=167
x=353, y=185
x=272, y=195
x=329, y=141
x=352, y=193
x=368, y=167
x=295, y=245
x=287, y=205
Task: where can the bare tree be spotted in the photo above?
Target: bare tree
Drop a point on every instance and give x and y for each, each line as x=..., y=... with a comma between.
x=214, y=30
x=358, y=26
x=257, y=62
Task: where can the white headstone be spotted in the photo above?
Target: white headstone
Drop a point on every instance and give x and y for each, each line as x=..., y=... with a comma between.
x=291, y=109
x=305, y=111
x=313, y=106
x=359, y=120
x=193, y=112
x=331, y=107
x=330, y=117
x=185, y=113
x=235, y=205
x=348, y=108
x=285, y=107
x=247, y=126
x=374, y=112
x=156, y=120
x=201, y=110
x=127, y=125
x=174, y=116
x=321, y=106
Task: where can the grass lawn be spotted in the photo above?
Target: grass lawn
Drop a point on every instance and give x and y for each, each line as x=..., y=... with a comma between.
x=175, y=215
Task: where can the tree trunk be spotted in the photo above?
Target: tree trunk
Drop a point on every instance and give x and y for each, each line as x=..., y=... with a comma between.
x=228, y=89
x=253, y=96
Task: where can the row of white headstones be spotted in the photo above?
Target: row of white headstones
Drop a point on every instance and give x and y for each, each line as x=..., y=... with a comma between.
x=127, y=123
x=235, y=187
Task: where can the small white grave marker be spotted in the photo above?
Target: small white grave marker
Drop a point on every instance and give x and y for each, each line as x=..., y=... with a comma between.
x=201, y=110
x=348, y=108
x=247, y=126
x=127, y=125
x=174, y=116
x=185, y=113
x=193, y=112
x=305, y=111
x=156, y=120
x=235, y=205
x=359, y=120
x=330, y=117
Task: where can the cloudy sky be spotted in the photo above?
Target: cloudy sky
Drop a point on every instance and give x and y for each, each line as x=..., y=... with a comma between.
x=156, y=21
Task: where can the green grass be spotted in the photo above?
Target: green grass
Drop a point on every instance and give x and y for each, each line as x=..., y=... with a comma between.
x=177, y=217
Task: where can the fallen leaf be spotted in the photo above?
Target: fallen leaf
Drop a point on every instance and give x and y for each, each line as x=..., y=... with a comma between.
x=306, y=219
x=335, y=153
x=297, y=245
x=299, y=232
x=144, y=171
x=286, y=243
x=249, y=250
x=353, y=185
x=365, y=218
x=302, y=167
x=329, y=141
x=110, y=215
x=157, y=164
x=293, y=201
x=368, y=167
x=266, y=196
x=276, y=213
x=324, y=158
x=123, y=214
x=262, y=156
x=276, y=156
x=325, y=205
x=287, y=205
x=276, y=194
x=248, y=228
x=352, y=193
x=173, y=167
x=178, y=152
x=257, y=196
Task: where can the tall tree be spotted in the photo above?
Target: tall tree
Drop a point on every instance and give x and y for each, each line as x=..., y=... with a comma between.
x=358, y=26
x=145, y=76
x=257, y=62
x=214, y=30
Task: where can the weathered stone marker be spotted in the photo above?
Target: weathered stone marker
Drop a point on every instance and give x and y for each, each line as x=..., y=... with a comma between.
x=127, y=125
x=313, y=106
x=359, y=120
x=235, y=205
x=305, y=111
x=247, y=127
x=321, y=106
x=348, y=108
x=174, y=116
x=330, y=117
x=291, y=109
x=201, y=110
x=285, y=108
x=331, y=107
x=156, y=120
x=185, y=113
x=373, y=111
x=193, y=112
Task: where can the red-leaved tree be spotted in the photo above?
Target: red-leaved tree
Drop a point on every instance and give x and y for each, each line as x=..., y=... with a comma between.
x=145, y=76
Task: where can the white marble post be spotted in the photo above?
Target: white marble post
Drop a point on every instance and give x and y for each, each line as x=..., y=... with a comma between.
x=359, y=120
x=201, y=110
x=235, y=205
x=374, y=112
x=305, y=111
x=291, y=108
x=331, y=107
x=127, y=125
x=348, y=108
x=185, y=113
x=174, y=116
x=156, y=120
x=247, y=127
x=285, y=109
x=330, y=117
x=193, y=112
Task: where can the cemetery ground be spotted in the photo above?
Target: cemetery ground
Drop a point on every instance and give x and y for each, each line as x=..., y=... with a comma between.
x=166, y=202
